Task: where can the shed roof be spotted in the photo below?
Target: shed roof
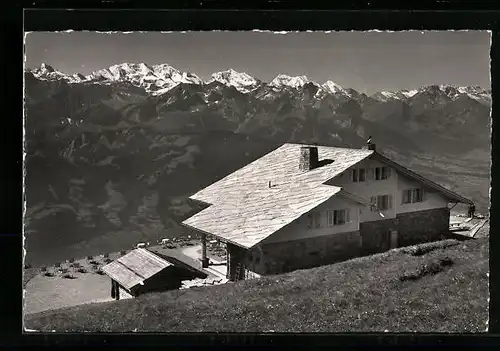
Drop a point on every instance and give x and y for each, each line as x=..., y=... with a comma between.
x=133, y=268
x=179, y=260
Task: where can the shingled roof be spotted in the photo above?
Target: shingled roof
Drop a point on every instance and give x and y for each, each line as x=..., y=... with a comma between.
x=245, y=210
x=133, y=268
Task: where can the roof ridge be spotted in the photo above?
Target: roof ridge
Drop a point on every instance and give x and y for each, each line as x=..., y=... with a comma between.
x=328, y=146
x=129, y=269
x=152, y=256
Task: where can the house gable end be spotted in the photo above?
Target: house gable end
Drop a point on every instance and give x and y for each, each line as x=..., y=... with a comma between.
x=426, y=183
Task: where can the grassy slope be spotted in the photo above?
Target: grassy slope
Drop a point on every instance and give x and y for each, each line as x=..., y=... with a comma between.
x=359, y=295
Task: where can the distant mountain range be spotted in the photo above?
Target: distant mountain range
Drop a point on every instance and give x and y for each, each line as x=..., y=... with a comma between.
x=159, y=79
x=112, y=156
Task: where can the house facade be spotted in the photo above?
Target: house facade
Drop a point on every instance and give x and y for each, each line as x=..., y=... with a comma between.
x=322, y=206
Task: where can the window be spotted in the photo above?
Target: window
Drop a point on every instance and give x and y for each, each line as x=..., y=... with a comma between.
x=337, y=217
x=406, y=197
x=382, y=173
x=314, y=220
x=413, y=195
x=358, y=175
x=362, y=174
x=381, y=202
x=417, y=195
x=385, y=172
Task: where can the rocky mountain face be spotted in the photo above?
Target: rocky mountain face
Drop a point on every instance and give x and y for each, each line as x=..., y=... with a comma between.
x=112, y=157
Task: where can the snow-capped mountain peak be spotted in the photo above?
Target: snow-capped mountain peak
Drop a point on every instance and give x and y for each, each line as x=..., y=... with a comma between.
x=161, y=78
x=284, y=80
x=156, y=79
x=167, y=72
x=388, y=95
x=46, y=68
x=122, y=71
x=46, y=71
x=239, y=80
x=164, y=70
x=332, y=87
x=408, y=93
x=445, y=91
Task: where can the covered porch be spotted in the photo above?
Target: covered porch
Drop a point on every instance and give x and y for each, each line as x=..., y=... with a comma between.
x=234, y=268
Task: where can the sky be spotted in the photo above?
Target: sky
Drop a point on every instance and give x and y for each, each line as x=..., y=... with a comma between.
x=365, y=61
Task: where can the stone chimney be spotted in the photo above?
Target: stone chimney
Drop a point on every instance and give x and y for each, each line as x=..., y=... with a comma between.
x=308, y=158
x=370, y=146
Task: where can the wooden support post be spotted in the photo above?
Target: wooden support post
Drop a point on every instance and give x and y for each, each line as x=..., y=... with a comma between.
x=235, y=263
x=117, y=291
x=228, y=261
x=113, y=289
x=204, y=258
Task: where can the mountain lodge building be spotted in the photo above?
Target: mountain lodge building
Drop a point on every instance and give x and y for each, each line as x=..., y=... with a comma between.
x=302, y=206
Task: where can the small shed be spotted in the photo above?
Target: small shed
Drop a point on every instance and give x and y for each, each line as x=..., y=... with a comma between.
x=142, y=271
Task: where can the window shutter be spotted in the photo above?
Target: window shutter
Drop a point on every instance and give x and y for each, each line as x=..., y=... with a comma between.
x=403, y=197
x=390, y=201
x=423, y=194
x=362, y=174
x=373, y=202
x=370, y=173
x=388, y=172
x=347, y=220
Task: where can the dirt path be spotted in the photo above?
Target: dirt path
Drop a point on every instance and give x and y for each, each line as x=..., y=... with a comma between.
x=478, y=227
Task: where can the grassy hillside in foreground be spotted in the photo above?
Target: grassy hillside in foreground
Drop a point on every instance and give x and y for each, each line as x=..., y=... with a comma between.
x=443, y=290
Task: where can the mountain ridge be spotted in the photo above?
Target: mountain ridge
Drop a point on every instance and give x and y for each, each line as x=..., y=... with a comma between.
x=161, y=78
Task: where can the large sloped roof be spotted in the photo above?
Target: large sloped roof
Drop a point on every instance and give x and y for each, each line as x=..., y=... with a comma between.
x=253, y=217
x=135, y=267
x=245, y=210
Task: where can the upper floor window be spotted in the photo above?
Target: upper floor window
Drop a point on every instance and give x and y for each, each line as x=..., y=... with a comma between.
x=381, y=202
x=337, y=217
x=358, y=175
x=382, y=173
x=314, y=220
x=413, y=195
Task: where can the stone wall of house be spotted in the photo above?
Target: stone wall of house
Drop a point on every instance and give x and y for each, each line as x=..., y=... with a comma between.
x=282, y=257
x=375, y=236
x=412, y=227
x=422, y=226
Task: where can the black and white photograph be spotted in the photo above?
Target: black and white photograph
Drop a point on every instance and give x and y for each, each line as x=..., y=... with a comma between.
x=257, y=181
